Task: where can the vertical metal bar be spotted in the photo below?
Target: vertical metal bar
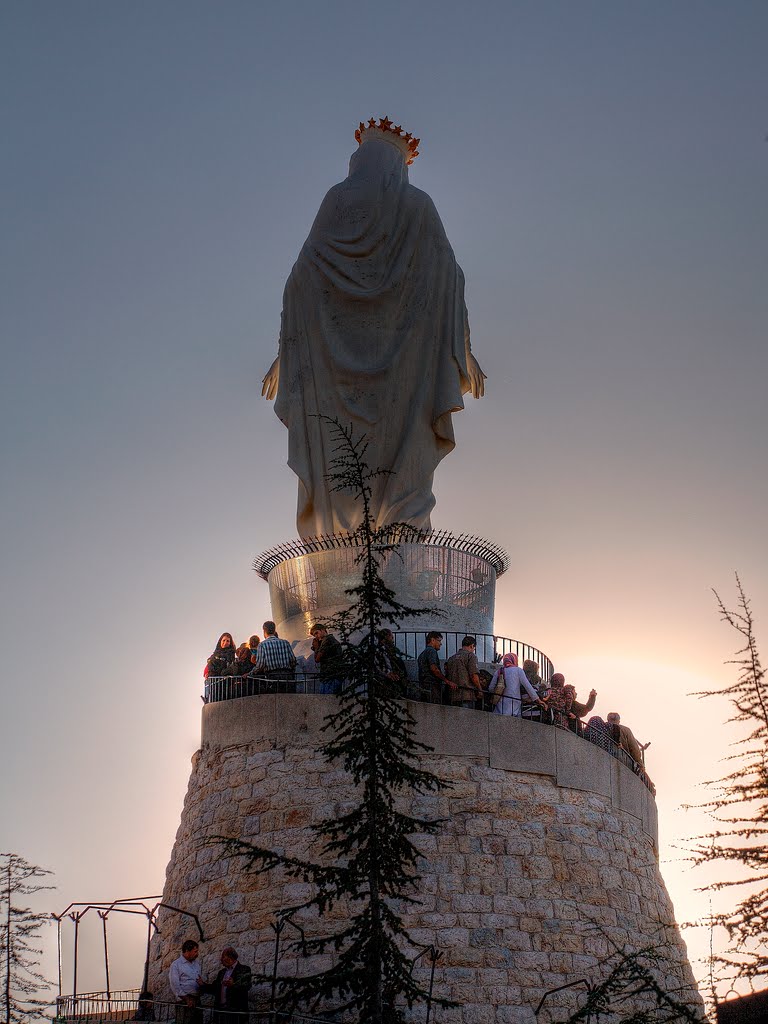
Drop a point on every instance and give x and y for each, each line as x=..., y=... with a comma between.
x=76, y=919
x=58, y=950
x=145, y=982
x=103, y=917
x=273, y=997
x=434, y=956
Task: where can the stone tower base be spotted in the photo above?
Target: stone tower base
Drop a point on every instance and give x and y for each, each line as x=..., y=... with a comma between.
x=547, y=855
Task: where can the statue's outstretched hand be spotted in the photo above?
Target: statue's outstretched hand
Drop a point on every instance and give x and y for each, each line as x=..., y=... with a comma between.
x=476, y=377
x=271, y=379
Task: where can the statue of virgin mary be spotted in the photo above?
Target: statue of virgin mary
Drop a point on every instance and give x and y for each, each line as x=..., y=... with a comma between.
x=375, y=334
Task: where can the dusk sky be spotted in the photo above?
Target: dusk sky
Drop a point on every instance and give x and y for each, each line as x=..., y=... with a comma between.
x=600, y=169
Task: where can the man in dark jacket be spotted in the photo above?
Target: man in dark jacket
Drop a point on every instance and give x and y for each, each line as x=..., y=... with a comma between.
x=230, y=989
x=328, y=652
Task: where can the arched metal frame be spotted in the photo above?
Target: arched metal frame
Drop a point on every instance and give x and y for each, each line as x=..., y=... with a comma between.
x=128, y=905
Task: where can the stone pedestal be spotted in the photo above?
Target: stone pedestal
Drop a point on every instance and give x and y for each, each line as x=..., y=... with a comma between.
x=548, y=853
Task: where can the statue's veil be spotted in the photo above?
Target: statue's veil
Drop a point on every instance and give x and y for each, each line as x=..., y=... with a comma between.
x=373, y=334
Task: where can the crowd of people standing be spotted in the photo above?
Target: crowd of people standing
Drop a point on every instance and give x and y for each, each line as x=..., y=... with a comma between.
x=270, y=665
x=521, y=692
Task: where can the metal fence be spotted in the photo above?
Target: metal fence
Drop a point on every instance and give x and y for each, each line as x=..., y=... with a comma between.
x=98, y=1005
x=496, y=556
x=95, y=1006
x=490, y=649
x=223, y=688
x=410, y=643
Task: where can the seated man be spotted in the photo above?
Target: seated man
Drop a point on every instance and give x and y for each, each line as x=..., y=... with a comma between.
x=462, y=670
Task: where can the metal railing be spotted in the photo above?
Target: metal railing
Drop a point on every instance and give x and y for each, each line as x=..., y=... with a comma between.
x=410, y=643
x=98, y=1005
x=490, y=648
x=496, y=556
x=221, y=688
x=95, y=1006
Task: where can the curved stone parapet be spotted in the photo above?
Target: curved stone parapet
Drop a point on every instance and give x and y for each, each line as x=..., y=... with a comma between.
x=547, y=854
x=496, y=741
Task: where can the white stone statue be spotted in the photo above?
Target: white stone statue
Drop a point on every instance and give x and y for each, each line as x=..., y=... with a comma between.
x=375, y=334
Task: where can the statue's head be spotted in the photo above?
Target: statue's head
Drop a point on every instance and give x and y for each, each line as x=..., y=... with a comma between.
x=384, y=131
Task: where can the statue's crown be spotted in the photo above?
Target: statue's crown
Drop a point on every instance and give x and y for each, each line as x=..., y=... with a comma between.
x=404, y=141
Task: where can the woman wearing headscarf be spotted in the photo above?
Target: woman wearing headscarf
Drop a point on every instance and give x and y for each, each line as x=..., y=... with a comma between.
x=515, y=684
x=222, y=661
x=560, y=701
x=600, y=733
x=531, y=670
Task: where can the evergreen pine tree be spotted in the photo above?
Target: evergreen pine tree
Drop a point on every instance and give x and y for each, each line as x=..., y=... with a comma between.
x=369, y=858
x=631, y=992
x=19, y=929
x=739, y=807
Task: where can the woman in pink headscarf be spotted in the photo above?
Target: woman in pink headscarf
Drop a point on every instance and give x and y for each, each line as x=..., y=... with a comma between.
x=515, y=681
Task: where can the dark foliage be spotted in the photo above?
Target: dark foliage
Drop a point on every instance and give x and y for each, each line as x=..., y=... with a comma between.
x=368, y=863
x=19, y=929
x=739, y=807
x=633, y=990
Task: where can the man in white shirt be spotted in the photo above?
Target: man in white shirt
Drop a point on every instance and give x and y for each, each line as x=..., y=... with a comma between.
x=186, y=980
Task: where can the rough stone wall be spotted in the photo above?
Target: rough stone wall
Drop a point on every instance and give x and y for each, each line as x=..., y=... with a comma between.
x=524, y=888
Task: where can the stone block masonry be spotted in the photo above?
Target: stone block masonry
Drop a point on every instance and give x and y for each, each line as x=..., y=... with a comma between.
x=546, y=860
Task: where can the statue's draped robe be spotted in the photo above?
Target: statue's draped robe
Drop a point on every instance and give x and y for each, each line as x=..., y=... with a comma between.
x=373, y=334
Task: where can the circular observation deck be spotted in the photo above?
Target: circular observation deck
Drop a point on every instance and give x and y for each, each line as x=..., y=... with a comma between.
x=448, y=578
